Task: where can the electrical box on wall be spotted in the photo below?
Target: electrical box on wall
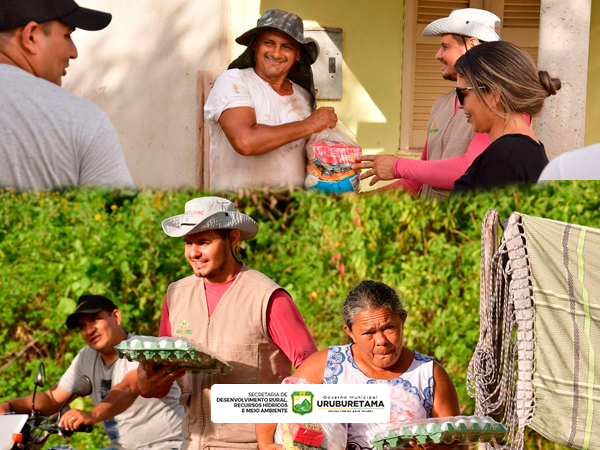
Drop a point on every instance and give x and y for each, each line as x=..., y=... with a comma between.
x=327, y=70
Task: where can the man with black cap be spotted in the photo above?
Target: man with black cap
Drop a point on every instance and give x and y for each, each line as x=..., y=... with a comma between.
x=260, y=111
x=237, y=312
x=451, y=145
x=50, y=138
x=131, y=422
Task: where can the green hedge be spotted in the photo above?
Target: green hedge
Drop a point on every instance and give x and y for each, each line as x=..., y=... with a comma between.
x=57, y=246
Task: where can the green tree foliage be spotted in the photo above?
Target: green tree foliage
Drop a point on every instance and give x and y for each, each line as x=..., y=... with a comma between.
x=55, y=247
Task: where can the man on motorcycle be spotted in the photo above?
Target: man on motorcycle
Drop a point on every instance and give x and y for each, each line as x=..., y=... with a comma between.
x=130, y=421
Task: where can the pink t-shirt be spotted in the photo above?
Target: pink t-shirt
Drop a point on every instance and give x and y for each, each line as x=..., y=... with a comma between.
x=284, y=321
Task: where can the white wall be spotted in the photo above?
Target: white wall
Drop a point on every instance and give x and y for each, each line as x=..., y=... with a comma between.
x=142, y=70
x=563, y=53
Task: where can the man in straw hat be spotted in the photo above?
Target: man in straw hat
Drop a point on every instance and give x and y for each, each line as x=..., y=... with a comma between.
x=451, y=145
x=239, y=313
x=260, y=111
x=50, y=137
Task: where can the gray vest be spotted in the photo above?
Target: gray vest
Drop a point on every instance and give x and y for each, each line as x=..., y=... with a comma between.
x=448, y=136
x=237, y=331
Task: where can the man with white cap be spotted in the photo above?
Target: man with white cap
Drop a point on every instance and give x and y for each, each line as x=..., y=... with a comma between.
x=260, y=111
x=239, y=313
x=451, y=145
x=49, y=138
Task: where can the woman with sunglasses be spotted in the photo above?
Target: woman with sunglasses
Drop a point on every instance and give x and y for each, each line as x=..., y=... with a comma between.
x=499, y=86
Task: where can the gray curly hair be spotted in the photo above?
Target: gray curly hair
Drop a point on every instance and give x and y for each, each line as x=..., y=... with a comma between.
x=370, y=295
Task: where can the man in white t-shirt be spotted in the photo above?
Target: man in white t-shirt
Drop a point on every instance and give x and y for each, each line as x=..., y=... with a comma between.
x=582, y=164
x=131, y=422
x=261, y=110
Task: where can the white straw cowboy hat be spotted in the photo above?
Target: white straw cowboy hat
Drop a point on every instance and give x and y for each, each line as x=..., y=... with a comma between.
x=210, y=213
x=471, y=22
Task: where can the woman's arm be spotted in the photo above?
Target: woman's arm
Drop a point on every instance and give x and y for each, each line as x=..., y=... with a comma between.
x=313, y=368
x=445, y=404
x=445, y=398
x=310, y=370
x=264, y=436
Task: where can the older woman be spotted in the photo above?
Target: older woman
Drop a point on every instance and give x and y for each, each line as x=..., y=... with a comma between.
x=498, y=87
x=374, y=320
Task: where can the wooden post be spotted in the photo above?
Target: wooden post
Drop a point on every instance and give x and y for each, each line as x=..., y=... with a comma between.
x=206, y=80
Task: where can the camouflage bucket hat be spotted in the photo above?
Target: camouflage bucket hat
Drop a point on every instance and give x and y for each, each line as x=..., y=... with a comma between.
x=291, y=24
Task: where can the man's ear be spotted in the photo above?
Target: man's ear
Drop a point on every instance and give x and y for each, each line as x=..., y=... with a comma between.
x=30, y=37
x=117, y=315
x=234, y=236
x=298, y=54
x=472, y=42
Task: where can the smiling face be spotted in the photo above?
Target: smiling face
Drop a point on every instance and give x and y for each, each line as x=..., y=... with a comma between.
x=450, y=50
x=211, y=254
x=55, y=50
x=378, y=337
x=101, y=330
x=275, y=53
x=478, y=114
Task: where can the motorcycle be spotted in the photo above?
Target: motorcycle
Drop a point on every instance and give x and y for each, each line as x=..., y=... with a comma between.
x=31, y=431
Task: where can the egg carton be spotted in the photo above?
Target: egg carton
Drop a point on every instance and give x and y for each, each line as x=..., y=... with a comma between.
x=461, y=429
x=169, y=350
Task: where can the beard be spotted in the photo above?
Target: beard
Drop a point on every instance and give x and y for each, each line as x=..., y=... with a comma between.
x=449, y=76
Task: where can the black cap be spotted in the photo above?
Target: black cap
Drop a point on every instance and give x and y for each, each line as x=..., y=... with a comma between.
x=89, y=304
x=18, y=13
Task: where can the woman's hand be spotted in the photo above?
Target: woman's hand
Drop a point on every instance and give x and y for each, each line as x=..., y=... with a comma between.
x=271, y=446
x=264, y=436
x=380, y=167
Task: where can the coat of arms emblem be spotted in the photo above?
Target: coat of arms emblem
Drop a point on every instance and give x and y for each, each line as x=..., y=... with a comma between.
x=302, y=402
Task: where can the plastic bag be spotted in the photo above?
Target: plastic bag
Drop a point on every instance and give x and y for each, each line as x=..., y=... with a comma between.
x=331, y=154
x=310, y=436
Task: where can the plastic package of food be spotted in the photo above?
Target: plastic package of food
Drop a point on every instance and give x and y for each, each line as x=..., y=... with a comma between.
x=310, y=436
x=331, y=154
x=445, y=430
x=169, y=350
x=338, y=183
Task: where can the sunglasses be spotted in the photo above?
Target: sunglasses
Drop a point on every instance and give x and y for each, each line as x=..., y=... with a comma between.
x=460, y=92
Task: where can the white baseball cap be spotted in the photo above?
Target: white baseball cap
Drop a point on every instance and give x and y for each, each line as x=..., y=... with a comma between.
x=471, y=22
x=210, y=213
